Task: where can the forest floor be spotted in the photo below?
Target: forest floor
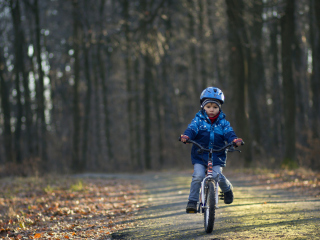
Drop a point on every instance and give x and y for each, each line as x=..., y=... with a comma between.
x=268, y=205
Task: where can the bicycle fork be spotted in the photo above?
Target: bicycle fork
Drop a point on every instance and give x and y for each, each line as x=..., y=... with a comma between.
x=217, y=194
x=202, y=189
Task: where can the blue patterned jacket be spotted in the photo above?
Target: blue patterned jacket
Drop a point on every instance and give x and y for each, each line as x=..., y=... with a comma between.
x=210, y=136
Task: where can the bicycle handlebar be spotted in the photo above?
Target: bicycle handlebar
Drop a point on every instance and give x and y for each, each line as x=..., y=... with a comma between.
x=202, y=149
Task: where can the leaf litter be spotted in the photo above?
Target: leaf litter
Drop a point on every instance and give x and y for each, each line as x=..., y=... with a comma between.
x=67, y=208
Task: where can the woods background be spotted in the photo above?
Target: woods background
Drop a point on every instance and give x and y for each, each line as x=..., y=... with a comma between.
x=110, y=85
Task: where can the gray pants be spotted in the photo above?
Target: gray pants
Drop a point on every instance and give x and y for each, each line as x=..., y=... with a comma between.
x=198, y=175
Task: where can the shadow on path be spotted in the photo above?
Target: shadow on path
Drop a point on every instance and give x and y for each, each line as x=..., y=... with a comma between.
x=256, y=213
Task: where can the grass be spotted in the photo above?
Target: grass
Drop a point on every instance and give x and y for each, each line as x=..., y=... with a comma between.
x=77, y=187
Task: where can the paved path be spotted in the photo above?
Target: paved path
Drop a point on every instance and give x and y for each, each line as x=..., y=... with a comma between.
x=257, y=212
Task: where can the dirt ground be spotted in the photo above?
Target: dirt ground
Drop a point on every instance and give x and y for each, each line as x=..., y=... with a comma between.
x=266, y=206
x=277, y=204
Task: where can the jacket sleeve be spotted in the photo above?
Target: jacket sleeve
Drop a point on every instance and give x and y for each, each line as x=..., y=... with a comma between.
x=229, y=134
x=192, y=129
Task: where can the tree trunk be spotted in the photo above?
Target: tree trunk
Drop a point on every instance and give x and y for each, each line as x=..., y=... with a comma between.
x=202, y=52
x=147, y=117
x=138, y=114
x=86, y=46
x=6, y=109
x=158, y=104
x=315, y=76
x=168, y=98
x=19, y=68
x=105, y=87
x=147, y=78
x=40, y=92
x=97, y=115
x=106, y=106
x=77, y=38
x=300, y=80
x=215, y=58
x=287, y=36
x=192, y=42
x=166, y=85
x=87, y=110
x=276, y=92
x=128, y=64
x=239, y=72
x=257, y=83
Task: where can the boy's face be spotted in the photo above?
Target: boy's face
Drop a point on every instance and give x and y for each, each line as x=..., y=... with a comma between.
x=211, y=109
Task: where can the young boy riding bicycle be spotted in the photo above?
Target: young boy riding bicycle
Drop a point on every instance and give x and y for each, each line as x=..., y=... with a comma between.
x=209, y=128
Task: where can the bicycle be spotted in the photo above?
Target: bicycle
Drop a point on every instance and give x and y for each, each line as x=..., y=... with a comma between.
x=209, y=193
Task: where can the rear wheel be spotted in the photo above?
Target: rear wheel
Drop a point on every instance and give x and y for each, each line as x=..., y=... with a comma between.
x=210, y=207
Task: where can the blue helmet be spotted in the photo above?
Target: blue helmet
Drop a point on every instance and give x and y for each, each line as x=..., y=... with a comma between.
x=212, y=93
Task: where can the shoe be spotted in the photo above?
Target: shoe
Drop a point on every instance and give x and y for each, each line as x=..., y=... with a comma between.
x=228, y=197
x=191, y=207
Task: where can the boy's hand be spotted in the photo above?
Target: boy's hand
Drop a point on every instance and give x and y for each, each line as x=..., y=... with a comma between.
x=238, y=142
x=184, y=138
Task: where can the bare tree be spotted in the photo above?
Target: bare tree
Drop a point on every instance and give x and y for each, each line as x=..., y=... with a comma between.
x=193, y=53
x=276, y=91
x=20, y=50
x=6, y=110
x=40, y=92
x=128, y=66
x=202, y=51
x=287, y=36
x=256, y=80
x=315, y=86
x=238, y=42
x=77, y=38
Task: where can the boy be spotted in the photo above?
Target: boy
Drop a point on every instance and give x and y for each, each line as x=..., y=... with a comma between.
x=210, y=129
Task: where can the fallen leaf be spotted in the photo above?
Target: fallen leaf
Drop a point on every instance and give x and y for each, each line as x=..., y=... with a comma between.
x=37, y=235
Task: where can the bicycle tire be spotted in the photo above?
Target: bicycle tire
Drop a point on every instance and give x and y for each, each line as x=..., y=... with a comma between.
x=210, y=207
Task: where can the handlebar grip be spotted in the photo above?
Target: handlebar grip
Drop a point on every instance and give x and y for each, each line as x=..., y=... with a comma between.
x=237, y=140
x=187, y=141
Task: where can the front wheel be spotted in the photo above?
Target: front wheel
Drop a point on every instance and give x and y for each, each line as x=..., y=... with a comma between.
x=209, y=207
